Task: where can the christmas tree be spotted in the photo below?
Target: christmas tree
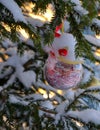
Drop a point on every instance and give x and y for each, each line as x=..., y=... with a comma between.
x=40, y=90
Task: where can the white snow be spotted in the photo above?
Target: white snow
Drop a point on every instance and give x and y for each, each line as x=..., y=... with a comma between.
x=86, y=76
x=27, y=55
x=92, y=40
x=97, y=69
x=27, y=77
x=12, y=6
x=9, y=82
x=82, y=102
x=69, y=94
x=17, y=100
x=44, y=86
x=94, y=88
x=13, y=61
x=88, y=115
x=9, y=71
x=66, y=26
x=11, y=51
x=80, y=10
x=35, y=22
x=47, y=104
x=34, y=97
x=7, y=43
x=96, y=21
x=95, y=95
x=77, y=2
x=61, y=107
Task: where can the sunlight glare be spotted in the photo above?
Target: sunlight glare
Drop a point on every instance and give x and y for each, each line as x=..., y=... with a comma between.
x=98, y=36
x=24, y=33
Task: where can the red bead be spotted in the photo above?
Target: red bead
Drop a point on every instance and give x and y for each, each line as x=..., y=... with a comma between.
x=63, y=52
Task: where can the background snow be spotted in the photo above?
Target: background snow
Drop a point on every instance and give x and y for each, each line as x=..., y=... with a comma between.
x=15, y=10
x=88, y=115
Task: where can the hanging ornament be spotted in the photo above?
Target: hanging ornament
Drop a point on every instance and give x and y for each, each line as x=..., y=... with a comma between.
x=62, y=69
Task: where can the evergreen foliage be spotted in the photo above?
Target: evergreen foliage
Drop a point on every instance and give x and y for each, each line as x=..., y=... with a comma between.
x=31, y=104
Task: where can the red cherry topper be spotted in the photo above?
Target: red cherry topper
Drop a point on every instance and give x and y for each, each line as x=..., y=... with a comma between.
x=63, y=52
x=57, y=30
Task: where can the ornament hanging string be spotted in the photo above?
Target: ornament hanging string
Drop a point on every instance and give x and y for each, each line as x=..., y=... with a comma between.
x=62, y=29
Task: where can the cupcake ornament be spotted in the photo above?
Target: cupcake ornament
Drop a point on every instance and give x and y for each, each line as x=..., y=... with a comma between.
x=62, y=69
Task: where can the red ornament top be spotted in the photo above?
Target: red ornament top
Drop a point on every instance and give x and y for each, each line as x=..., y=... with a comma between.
x=57, y=33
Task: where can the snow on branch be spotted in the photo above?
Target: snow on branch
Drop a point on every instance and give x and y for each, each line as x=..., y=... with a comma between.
x=78, y=8
x=9, y=82
x=93, y=40
x=61, y=107
x=94, y=88
x=86, y=76
x=77, y=2
x=4, y=74
x=27, y=78
x=96, y=22
x=60, y=110
x=34, y=97
x=12, y=6
x=17, y=100
x=86, y=116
